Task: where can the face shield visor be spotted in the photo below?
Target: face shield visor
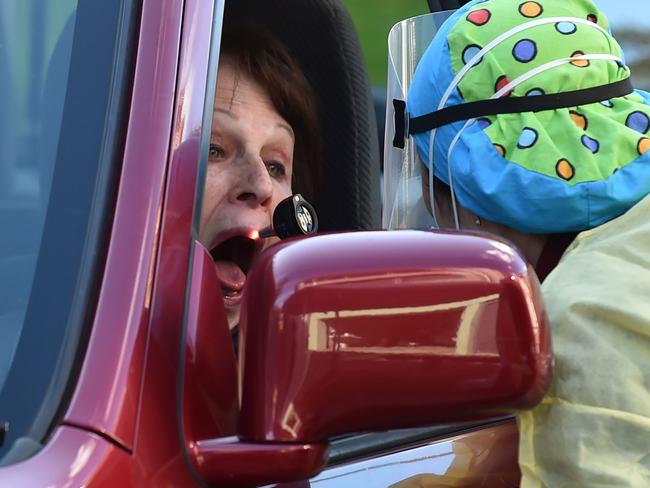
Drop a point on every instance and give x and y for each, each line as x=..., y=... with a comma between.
x=508, y=147
x=404, y=206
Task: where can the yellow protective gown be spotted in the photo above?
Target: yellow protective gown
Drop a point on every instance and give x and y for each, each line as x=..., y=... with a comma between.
x=593, y=427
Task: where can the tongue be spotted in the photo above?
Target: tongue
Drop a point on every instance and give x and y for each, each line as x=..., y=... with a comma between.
x=230, y=275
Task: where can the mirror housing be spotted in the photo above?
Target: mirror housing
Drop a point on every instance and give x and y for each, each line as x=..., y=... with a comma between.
x=381, y=330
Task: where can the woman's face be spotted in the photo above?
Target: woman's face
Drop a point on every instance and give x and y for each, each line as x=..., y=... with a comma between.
x=249, y=173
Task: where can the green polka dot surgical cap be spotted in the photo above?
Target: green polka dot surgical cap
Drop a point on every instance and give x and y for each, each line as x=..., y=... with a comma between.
x=560, y=170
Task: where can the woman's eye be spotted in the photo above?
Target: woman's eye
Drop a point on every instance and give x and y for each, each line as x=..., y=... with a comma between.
x=275, y=169
x=216, y=152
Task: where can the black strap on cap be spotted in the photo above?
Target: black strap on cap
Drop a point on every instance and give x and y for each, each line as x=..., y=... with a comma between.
x=399, y=106
x=510, y=105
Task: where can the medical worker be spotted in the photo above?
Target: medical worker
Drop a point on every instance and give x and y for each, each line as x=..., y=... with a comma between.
x=525, y=123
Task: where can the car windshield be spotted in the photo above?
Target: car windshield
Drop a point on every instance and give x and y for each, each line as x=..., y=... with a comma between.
x=31, y=96
x=57, y=83
x=35, y=48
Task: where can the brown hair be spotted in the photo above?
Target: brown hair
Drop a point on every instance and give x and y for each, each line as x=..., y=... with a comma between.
x=262, y=57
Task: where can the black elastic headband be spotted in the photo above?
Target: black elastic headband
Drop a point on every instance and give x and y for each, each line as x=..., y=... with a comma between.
x=504, y=105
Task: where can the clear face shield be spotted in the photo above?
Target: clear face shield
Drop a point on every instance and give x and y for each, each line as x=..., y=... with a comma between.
x=404, y=202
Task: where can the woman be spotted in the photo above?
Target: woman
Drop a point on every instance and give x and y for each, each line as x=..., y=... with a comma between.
x=539, y=170
x=265, y=145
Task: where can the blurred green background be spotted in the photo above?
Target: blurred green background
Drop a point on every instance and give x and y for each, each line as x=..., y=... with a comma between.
x=373, y=19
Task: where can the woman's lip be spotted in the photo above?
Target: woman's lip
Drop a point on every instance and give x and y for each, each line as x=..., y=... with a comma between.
x=232, y=300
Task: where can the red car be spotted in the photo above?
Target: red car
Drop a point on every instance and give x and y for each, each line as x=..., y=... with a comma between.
x=374, y=357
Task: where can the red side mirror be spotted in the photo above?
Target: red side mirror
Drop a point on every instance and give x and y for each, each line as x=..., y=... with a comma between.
x=379, y=330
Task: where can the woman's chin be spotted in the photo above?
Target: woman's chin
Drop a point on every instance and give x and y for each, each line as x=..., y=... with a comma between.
x=232, y=312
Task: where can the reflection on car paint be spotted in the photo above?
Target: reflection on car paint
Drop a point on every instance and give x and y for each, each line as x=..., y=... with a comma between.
x=323, y=336
x=481, y=458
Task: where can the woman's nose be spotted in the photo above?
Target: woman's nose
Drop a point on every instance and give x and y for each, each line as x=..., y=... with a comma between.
x=256, y=185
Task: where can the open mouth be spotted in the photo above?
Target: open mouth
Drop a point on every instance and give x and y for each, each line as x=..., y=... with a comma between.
x=233, y=258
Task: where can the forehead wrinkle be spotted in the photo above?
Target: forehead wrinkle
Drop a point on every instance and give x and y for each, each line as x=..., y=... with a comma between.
x=228, y=113
x=286, y=127
x=237, y=75
x=233, y=87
